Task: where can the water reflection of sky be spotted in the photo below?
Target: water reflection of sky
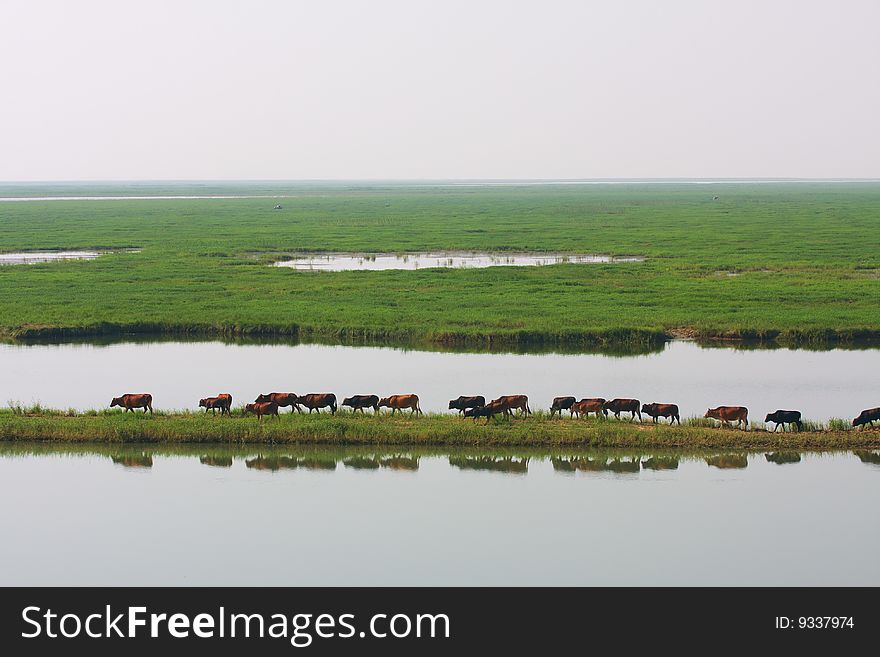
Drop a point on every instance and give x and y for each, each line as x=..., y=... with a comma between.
x=822, y=384
x=127, y=516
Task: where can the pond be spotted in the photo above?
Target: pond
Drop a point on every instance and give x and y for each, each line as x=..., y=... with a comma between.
x=35, y=257
x=822, y=384
x=124, y=516
x=383, y=261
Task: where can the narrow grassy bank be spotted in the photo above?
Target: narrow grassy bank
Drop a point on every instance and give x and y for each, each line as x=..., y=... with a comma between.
x=351, y=429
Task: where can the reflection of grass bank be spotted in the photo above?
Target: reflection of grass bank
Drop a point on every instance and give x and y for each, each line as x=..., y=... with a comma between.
x=350, y=429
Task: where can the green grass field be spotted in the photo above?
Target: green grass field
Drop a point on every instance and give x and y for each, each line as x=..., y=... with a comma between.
x=797, y=262
x=347, y=428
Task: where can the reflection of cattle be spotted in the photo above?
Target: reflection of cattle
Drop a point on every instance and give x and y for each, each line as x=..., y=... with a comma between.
x=361, y=463
x=618, y=406
x=274, y=463
x=463, y=403
x=222, y=401
x=510, y=403
x=586, y=406
x=400, y=463
x=315, y=401
x=868, y=456
x=631, y=466
x=867, y=417
x=488, y=411
x=400, y=403
x=783, y=418
x=660, y=463
x=562, y=465
x=130, y=402
x=730, y=413
x=561, y=404
x=654, y=411
x=360, y=402
x=728, y=461
x=262, y=408
x=491, y=464
x=781, y=458
x=282, y=399
x=216, y=461
x=134, y=461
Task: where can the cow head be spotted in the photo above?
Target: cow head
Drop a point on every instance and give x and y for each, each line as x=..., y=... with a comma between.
x=116, y=401
x=347, y=401
x=250, y=408
x=262, y=398
x=203, y=403
x=385, y=402
x=647, y=408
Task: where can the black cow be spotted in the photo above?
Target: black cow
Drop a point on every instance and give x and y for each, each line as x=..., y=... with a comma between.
x=463, y=403
x=488, y=411
x=867, y=417
x=783, y=418
x=360, y=402
x=561, y=404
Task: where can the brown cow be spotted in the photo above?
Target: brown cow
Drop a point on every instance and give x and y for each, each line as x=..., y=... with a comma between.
x=590, y=405
x=130, y=402
x=618, y=406
x=223, y=401
x=662, y=410
x=727, y=413
x=282, y=399
x=315, y=401
x=867, y=417
x=512, y=403
x=401, y=402
x=262, y=408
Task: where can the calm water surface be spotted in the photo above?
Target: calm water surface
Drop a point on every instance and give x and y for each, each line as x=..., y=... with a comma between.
x=458, y=260
x=135, y=516
x=822, y=384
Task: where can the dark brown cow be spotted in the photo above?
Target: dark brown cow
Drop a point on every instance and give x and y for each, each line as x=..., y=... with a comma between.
x=730, y=413
x=586, y=406
x=400, y=403
x=282, y=399
x=262, y=408
x=132, y=401
x=315, y=401
x=360, y=402
x=512, y=403
x=488, y=411
x=561, y=404
x=222, y=401
x=463, y=403
x=867, y=417
x=783, y=418
x=654, y=411
x=618, y=406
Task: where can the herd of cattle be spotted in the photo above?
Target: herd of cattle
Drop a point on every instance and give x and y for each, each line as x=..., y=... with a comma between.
x=476, y=406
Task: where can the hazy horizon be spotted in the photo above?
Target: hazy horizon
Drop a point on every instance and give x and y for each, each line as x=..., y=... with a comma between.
x=416, y=91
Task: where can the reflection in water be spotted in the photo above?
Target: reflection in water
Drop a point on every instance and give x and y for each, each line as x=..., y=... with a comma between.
x=728, y=461
x=384, y=261
x=133, y=461
x=660, y=463
x=216, y=461
x=361, y=463
x=274, y=463
x=868, y=456
x=401, y=463
x=781, y=458
x=491, y=463
x=584, y=464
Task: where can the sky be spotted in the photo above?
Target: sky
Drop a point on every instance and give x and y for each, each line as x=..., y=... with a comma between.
x=447, y=89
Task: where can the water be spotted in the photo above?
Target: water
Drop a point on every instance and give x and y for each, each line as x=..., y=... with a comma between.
x=201, y=516
x=34, y=257
x=382, y=261
x=821, y=384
